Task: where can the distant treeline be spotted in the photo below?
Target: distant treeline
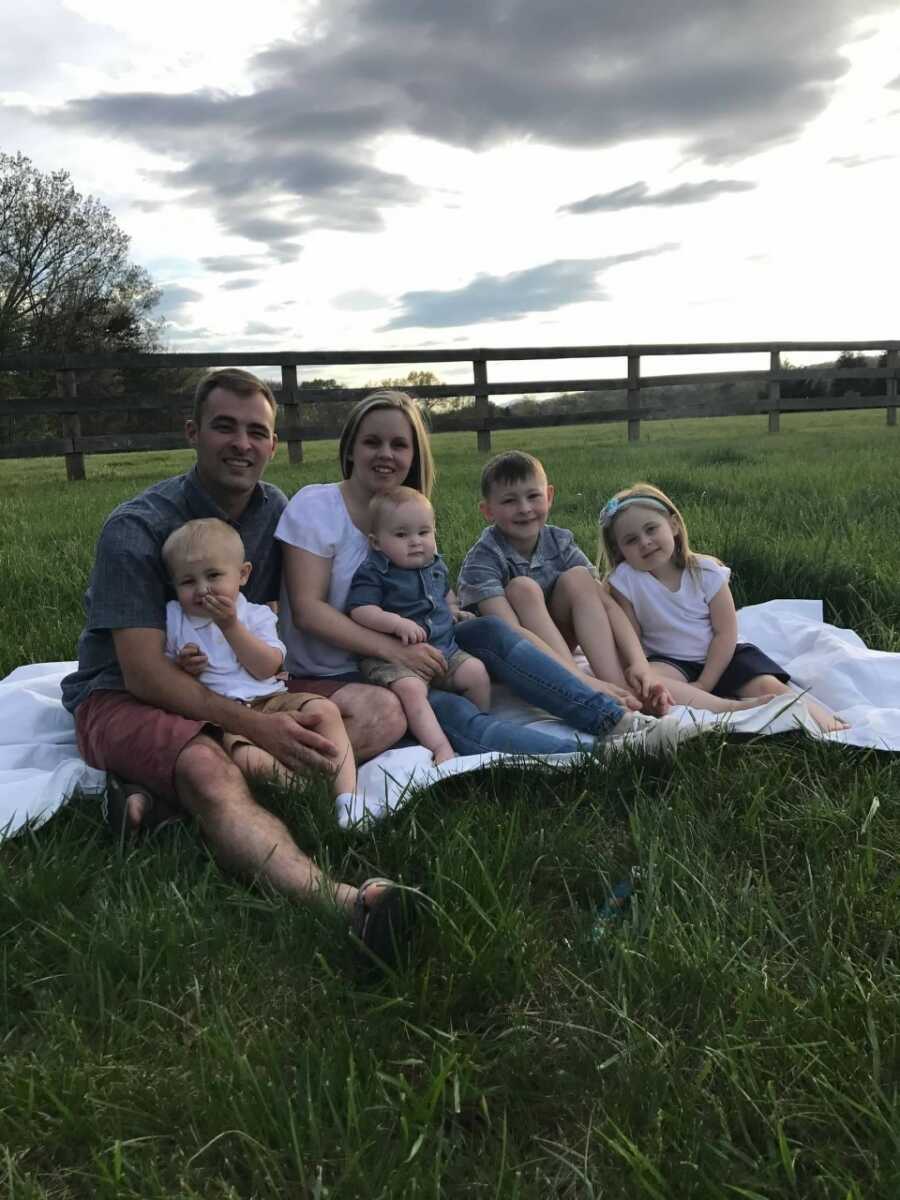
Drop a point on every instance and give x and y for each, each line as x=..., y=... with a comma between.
x=177, y=387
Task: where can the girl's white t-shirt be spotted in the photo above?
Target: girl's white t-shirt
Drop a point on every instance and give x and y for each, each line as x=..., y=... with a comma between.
x=316, y=519
x=674, y=624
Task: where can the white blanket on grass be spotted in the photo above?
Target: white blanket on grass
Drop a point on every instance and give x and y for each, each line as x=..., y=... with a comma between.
x=40, y=766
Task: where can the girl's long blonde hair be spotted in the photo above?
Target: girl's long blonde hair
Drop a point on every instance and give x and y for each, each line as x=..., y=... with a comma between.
x=609, y=555
x=421, y=473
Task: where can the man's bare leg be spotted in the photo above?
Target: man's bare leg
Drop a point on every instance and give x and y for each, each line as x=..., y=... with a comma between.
x=373, y=718
x=245, y=838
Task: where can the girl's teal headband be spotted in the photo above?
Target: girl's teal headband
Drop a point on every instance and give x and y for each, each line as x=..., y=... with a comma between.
x=612, y=508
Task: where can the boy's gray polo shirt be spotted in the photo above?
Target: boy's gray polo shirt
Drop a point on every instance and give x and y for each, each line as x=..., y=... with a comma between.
x=129, y=586
x=492, y=562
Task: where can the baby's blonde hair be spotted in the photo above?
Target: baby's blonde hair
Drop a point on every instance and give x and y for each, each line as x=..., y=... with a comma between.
x=195, y=537
x=384, y=503
x=609, y=555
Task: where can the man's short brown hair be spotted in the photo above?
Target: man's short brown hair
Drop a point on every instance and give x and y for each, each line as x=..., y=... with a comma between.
x=232, y=379
x=512, y=466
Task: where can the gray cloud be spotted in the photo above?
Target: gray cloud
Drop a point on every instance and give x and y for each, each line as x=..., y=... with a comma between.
x=238, y=285
x=174, y=299
x=638, y=195
x=360, y=300
x=543, y=288
x=230, y=264
x=252, y=328
x=860, y=160
x=296, y=152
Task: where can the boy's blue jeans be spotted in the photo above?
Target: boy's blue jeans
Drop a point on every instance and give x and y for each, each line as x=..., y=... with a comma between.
x=534, y=677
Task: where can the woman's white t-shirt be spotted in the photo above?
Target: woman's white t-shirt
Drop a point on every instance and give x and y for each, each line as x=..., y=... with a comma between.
x=316, y=519
x=674, y=624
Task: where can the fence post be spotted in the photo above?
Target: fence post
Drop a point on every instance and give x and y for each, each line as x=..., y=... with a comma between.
x=71, y=424
x=892, y=362
x=634, y=397
x=290, y=399
x=775, y=393
x=482, y=404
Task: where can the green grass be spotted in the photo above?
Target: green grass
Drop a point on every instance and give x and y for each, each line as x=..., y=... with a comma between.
x=167, y=1032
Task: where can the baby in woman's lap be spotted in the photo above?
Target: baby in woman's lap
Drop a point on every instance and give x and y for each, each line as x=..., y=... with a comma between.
x=403, y=589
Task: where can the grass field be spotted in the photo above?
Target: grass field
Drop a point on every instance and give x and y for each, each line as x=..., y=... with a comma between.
x=167, y=1032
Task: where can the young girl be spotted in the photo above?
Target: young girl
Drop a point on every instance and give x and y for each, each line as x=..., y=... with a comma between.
x=682, y=609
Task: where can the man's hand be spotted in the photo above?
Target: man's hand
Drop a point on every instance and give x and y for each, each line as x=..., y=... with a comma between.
x=191, y=659
x=291, y=737
x=424, y=659
x=409, y=632
x=222, y=609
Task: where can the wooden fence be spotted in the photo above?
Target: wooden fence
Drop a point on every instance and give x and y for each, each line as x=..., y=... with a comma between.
x=71, y=403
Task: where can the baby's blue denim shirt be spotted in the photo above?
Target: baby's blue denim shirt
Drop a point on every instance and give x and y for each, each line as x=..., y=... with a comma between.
x=419, y=593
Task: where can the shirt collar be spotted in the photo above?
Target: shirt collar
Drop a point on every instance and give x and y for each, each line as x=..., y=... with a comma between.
x=201, y=504
x=536, y=557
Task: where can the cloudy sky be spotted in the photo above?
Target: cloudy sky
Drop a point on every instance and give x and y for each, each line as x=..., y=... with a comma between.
x=417, y=173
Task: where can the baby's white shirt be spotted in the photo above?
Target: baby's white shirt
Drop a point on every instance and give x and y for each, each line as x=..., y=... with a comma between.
x=674, y=624
x=224, y=675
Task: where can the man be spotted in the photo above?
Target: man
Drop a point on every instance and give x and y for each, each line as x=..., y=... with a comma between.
x=140, y=715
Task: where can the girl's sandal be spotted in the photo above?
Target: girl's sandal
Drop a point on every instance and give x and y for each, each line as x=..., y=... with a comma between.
x=382, y=922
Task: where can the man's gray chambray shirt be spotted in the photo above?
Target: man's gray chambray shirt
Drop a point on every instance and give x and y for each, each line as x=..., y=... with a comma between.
x=129, y=586
x=492, y=562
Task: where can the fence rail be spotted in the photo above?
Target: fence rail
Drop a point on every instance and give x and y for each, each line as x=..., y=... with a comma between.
x=640, y=403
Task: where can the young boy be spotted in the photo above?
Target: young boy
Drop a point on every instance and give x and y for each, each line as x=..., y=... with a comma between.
x=534, y=576
x=403, y=589
x=213, y=631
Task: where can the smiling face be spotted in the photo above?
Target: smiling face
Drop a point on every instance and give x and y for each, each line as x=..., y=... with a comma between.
x=519, y=509
x=382, y=452
x=207, y=568
x=234, y=440
x=406, y=533
x=645, y=537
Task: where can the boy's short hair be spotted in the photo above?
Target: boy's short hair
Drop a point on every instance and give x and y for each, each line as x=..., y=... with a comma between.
x=387, y=502
x=512, y=466
x=197, y=535
x=232, y=379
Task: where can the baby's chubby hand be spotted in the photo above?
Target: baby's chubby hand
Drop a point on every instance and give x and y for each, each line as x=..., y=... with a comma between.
x=409, y=632
x=191, y=659
x=462, y=614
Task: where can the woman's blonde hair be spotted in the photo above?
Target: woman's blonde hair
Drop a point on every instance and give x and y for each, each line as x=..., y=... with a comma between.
x=421, y=473
x=609, y=555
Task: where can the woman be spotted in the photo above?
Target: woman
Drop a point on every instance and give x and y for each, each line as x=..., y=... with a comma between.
x=324, y=531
